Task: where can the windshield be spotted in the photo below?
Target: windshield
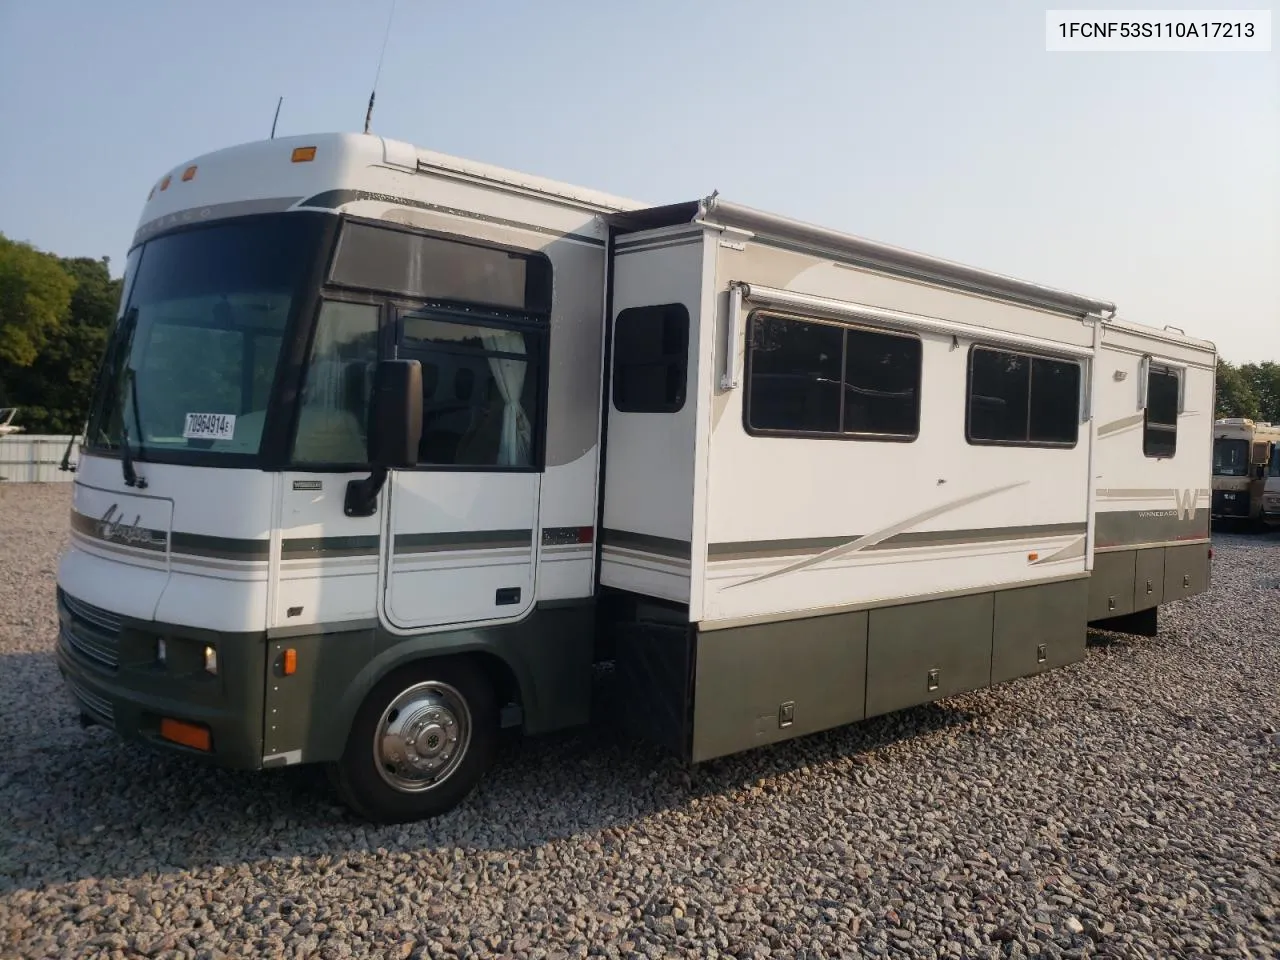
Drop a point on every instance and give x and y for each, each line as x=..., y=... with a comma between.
x=1230, y=458
x=194, y=355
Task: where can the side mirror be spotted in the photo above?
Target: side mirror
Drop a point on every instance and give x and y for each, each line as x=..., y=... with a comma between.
x=395, y=414
x=394, y=431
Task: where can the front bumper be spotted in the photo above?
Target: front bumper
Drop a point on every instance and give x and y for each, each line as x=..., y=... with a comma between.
x=1231, y=503
x=111, y=671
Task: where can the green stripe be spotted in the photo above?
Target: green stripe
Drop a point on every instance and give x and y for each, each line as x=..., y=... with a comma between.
x=316, y=548
x=462, y=540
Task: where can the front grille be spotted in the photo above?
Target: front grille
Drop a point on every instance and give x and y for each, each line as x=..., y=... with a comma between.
x=92, y=632
x=102, y=619
x=100, y=651
x=1237, y=505
x=93, y=704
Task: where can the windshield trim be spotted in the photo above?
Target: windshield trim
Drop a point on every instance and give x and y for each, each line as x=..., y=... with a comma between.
x=273, y=447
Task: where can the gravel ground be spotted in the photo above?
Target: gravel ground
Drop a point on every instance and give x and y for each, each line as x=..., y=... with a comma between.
x=1126, y=806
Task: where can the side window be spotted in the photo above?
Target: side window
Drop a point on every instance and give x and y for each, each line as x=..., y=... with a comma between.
x=651, y=359
x=480, y=390
x=814, y=378
x=1016, y=399
x=1274, y=469
x=335, y=397
x=1160, y=422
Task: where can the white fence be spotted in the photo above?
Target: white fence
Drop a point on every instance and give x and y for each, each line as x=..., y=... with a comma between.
x=34, y=458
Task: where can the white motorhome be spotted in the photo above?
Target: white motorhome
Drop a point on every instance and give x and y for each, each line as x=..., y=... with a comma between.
x=390, y=448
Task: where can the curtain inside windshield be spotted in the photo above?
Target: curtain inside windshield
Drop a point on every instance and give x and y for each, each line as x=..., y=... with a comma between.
x=196, y=348
x=1230, y=458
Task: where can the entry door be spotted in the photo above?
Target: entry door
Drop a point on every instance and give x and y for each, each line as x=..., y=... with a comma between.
x=461, y=545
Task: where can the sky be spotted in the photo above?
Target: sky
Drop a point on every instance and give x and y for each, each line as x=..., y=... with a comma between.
x=1148, y=179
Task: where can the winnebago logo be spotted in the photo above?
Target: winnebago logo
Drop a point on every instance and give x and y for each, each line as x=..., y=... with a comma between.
x=1186, y=509
x=114, y=529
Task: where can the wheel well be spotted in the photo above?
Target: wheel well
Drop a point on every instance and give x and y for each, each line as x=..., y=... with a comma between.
x=506, y=688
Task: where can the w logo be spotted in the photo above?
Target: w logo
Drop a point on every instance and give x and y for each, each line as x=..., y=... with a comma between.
x=1186, y=503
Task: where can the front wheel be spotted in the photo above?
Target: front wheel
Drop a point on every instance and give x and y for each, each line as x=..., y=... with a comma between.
x=420, y=742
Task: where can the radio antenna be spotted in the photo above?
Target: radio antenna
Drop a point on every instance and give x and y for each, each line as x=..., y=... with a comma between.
x=275, y=118
x=368, y=114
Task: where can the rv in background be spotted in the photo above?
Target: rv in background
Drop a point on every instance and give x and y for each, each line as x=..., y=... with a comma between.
x=1271, y=492
x=389, y=448
x=1243, y=451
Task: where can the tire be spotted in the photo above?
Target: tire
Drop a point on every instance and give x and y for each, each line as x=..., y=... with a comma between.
x=436, y=700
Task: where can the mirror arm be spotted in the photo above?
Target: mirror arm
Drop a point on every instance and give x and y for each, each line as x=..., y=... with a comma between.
x=362, y=495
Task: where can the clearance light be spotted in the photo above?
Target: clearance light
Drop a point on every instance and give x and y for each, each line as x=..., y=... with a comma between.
x=188, y=734
x=1033, y=556
x=188, y=174
x=290, y=662
x=152, y=192
x=303, y=154
x=162, y=652
x=164, y=184
x=211, y=659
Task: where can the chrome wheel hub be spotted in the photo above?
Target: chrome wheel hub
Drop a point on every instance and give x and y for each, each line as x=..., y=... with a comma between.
x=422, y=736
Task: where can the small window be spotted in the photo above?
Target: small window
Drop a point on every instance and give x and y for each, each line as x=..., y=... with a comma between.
x=1274, y=469
x=807, y=377
x=651, y=359
x=1022, y=400
x=333, y=416
x=480, y=401
x=1160, y=424
x=436, y=268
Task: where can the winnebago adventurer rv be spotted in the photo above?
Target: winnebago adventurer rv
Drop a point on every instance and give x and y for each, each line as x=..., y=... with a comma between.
x=1242, y=452
x=389, y=448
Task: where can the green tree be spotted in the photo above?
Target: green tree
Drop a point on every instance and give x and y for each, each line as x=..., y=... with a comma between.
x=35, y=293
x=1235, y=396
x=1264, y=381
x=53, y=392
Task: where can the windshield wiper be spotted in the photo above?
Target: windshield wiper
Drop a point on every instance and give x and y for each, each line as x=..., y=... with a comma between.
x=126, y=455
x=128, y=328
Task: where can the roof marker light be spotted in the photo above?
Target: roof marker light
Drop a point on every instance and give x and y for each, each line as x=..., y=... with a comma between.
x=303, y=154
x=188, y=174
x=164, y=184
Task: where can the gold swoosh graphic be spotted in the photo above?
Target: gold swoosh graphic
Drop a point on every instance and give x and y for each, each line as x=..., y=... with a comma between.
x=870, y=539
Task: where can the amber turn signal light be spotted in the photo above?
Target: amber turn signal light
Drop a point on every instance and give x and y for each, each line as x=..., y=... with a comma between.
x=188, y=734
x=290, y=662
x=303, y=154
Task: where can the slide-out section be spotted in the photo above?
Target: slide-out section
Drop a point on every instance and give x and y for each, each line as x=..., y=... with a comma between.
x=648, y=518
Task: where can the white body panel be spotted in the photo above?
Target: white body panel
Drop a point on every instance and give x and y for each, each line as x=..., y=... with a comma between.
x=1128, y=483
x=208, y=558
x=967, y=516
x=651, y=458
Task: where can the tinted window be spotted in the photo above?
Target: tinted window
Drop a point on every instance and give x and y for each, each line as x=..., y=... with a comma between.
x=1015, y=398
x=651, y=359
x=335, y=396
x=1160, y=428
x=881, y=384
x=480, y=389
x=194, y=356
x=793, y=383
x=999, y=395
x=1230, y=457
x=808, y=377
x=433, y=268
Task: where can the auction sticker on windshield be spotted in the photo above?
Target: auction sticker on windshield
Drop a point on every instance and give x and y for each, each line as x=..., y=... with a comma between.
x=210, y=426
